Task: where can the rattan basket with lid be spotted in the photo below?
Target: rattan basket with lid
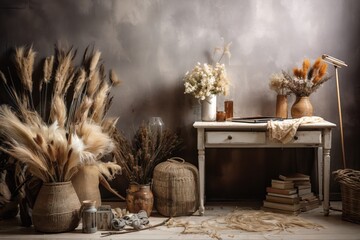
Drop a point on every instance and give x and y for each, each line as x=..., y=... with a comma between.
x=176, y=188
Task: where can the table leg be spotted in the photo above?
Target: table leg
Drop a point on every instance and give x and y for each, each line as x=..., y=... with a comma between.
x=326, y=201
x=326, y=156
x=320, y=171
x=201, y=162
x=202, y=180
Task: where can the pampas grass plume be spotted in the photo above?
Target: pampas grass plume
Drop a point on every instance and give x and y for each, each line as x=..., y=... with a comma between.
x=109, y=169
x=100, y=102
x=95, y=140
x=48, y=68
x=79, y=82
x=114, y=78
x=58, y=111
x=94, y=60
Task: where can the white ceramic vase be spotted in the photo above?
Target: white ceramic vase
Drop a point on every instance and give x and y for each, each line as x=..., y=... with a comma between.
x=208, y=109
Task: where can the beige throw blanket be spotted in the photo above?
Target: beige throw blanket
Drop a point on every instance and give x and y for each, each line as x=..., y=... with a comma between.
x=285, y=130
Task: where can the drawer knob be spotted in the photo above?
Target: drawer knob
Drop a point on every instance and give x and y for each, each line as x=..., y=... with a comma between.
x=229, y=137
x=296, y=137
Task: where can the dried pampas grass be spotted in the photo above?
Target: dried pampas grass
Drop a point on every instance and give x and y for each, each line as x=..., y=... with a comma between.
x=51, y=154
x=70, y=129
x=114, y=78
x=95, y=140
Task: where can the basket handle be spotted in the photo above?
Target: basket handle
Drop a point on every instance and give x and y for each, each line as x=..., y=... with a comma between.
x=176, y=160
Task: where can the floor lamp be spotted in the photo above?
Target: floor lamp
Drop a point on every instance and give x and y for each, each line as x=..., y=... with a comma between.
x=338, y=64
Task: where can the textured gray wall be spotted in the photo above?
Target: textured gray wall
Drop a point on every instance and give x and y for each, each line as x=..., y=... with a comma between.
x=151, y=44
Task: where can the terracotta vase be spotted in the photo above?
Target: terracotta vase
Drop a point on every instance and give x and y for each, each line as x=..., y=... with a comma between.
x=302, y=107
x=208, y=109
x=139, y=197
x=130, y=194
x=281, y=106
x=56, y=208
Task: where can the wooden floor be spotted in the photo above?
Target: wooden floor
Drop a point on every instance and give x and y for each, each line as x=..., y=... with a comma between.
x=334, y=228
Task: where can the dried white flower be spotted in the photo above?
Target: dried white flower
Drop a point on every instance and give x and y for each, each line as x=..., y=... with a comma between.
x=205, y=80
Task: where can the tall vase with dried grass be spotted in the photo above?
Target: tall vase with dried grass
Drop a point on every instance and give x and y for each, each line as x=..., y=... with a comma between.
x=278, y=83
x=139, y=157
x=67, y=129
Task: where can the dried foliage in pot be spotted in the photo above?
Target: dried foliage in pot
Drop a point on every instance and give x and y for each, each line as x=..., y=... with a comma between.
x=55, y=122
x=308, y=78
x=139, y=157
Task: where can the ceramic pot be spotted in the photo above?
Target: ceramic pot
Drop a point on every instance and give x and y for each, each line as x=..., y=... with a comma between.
x=302, y=108
x=208, y=109
x=144, y=199
x=281, y=106
x=130, y=194
x=139, y=197
x=56, y=208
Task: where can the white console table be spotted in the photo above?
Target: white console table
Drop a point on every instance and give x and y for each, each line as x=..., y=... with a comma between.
x=255, y=135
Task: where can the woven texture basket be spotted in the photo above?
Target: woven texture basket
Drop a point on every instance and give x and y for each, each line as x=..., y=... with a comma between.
x=176, y=188
x=56, y=208
x=349, y=180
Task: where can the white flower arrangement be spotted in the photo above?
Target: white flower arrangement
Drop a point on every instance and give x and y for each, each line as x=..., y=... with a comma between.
x=278, y=83
x=205, y=80
x=208, y=79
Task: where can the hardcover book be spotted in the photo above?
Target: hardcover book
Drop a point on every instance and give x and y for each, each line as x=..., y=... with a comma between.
x=266, y=209
x=295, y=195
x=281, y=191
x=281, y=184
x=295, y=177
x=282, y=206
x=277, y=199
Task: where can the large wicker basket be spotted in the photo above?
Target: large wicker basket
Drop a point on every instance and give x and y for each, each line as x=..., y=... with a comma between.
x=349, y=180
x=176, y=188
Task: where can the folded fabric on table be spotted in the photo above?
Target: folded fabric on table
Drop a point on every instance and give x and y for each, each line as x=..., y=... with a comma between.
x=285, y=130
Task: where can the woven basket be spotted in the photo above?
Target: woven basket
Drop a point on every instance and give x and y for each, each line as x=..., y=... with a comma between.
x=349, y=180
x=56, y=208
x=176, y=188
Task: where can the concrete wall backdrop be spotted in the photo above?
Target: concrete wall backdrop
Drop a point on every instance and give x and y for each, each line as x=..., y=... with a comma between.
x=152, y=43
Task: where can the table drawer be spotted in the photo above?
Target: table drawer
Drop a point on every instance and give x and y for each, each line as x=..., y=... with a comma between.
x=235, y=137
x=307, y=137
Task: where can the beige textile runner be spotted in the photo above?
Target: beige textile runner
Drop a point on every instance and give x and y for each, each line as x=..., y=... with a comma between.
x=285, y=130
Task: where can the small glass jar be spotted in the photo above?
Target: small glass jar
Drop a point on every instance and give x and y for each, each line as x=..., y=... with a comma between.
x=88, y=214
x=156, y=125
x=220, y=116
x=229, y=109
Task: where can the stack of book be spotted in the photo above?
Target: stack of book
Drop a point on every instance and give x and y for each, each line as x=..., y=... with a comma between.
x=282, y=197
x=308, y=200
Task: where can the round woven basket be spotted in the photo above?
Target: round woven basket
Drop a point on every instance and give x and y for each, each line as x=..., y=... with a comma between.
x=56, y=208
x=349, y=180
x=176, y=188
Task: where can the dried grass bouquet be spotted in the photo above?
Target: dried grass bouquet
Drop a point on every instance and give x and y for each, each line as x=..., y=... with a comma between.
x=55, y=120
x=208, y=79
x=278, y=83
x=307, y=79
x=139, y=157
